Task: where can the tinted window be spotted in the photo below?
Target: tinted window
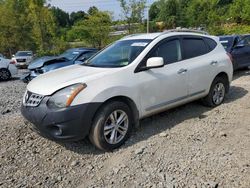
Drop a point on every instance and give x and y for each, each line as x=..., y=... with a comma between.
x=85, y=56
x=70, y=54
x=194, y=47
x=245, y=41
x=211, y=43
x=170, y=51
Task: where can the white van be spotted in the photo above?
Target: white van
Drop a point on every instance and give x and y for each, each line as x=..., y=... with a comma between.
x=135, y=77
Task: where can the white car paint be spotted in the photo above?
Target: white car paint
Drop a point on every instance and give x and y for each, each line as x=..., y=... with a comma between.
x=153, y=90
x=5, y=64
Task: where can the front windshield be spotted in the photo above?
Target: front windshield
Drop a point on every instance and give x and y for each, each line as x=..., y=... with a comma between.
x=70, y=54
x=24, y=54
x=119, y=54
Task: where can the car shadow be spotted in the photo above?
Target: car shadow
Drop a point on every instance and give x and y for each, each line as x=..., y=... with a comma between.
x=159, y=123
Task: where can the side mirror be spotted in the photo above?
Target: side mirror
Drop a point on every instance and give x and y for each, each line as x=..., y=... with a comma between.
x=155, y=62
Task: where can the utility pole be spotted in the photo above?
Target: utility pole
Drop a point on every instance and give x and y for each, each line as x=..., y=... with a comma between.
x=148, y=7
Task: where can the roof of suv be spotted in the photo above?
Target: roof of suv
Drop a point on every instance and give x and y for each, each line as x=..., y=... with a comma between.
x=152, y=36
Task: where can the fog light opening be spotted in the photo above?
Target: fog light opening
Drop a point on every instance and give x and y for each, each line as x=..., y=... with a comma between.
x=56, y=130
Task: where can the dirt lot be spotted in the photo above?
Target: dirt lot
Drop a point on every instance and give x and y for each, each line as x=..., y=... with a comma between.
x=191, y=146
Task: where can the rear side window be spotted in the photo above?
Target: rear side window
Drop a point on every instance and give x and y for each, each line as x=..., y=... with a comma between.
x=211, y=43
x=170, y=51
x=194, y=47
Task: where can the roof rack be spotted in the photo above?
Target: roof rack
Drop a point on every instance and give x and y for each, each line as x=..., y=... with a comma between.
x=132, y=35
x=187, y=30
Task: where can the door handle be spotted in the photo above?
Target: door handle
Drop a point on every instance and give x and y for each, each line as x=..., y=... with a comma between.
x=182, y=71
x=214, y=63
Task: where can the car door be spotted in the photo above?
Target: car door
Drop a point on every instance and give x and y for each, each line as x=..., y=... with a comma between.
x=200, y=66
x=241, y=52
x=161, y=87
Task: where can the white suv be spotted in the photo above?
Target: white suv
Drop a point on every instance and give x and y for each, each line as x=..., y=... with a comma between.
x=135, y=77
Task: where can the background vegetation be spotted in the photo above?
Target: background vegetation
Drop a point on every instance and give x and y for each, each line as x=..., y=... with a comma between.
x=35, y=25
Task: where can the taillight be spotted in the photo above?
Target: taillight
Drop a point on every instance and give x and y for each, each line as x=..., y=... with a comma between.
x=230, y=57
x=13, y=62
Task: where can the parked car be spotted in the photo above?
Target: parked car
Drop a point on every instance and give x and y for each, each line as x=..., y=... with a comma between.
x=239, y=48
x=7, y=69
x=135, y=77
x=23, y=58
x=49, y=63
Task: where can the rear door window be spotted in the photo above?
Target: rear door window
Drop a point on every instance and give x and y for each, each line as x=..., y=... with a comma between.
x=194, y=47
x=211, y=43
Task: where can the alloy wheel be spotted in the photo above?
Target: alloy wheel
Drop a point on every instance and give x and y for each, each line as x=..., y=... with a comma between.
x=218, y=93
x=4, y=74
x=116, y=127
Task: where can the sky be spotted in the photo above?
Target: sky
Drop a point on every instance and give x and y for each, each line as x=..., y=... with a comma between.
x=105, y=5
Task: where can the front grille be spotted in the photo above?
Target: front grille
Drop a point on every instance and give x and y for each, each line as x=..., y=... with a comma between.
x=21, y=60
x=32, y=99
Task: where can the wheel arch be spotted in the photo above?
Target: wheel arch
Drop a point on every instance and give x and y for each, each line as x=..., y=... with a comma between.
x=128, y=101
x=225, y=76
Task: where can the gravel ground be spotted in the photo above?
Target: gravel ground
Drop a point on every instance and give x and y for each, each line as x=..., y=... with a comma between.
x=190, y=146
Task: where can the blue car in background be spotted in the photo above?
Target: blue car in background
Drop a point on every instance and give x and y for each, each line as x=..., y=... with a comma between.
x=48, y=63
x=238, y=46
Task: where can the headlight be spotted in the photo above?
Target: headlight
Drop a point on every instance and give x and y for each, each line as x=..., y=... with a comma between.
x=64, y=97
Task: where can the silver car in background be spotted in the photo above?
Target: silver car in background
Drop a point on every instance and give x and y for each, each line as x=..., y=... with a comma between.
x=23, y=58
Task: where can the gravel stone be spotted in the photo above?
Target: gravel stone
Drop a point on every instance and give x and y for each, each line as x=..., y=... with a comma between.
x=207, y=148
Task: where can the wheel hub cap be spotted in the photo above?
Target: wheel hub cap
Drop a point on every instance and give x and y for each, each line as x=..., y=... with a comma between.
x=219, y=93
x=116, y=127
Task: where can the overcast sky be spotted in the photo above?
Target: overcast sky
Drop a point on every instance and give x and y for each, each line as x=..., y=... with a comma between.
x=75, y=5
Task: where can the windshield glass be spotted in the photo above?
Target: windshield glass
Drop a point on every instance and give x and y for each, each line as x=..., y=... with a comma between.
x=119, y=54
x=24, y=54
x=70, y=54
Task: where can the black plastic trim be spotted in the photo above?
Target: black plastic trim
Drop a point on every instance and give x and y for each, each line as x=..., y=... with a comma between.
x=67, y=124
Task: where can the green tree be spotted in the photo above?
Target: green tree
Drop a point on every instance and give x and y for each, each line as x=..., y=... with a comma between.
x=95, y=29
x=240, y=11
x=93, y=10
x=154, y=10
x=62, y=17
x=14, y=32
x=133, y=11
x=44, y=27
x=170, y=13
x=77, y=16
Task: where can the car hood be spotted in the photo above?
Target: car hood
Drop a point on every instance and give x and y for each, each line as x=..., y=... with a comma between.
x=48, y=83
x=39, y=62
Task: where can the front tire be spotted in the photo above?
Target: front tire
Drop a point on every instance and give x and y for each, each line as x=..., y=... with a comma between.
x=112, y=126
x=4, y=74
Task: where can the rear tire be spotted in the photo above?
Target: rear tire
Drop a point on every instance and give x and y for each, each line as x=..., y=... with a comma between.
x=112, y=126
x=4, y=74
x=216, y=93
